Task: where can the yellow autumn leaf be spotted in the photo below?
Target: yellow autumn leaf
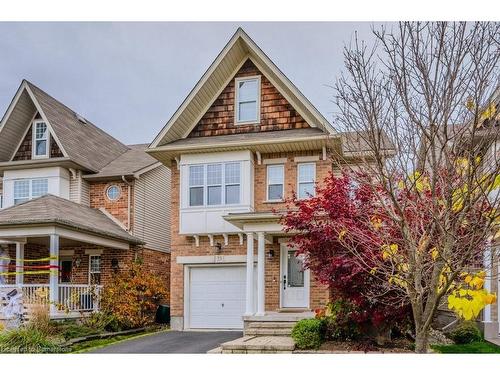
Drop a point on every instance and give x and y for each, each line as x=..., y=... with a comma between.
x=388, y=251
x=434, y=253
x=342, y=234
x=489, y=112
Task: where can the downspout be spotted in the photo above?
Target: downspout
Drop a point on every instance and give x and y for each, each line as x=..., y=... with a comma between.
x=129, y=184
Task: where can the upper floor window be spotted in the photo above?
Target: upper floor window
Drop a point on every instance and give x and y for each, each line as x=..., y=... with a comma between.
x=247, y=100
x=214, y=184
x=306, y=177
x=27, y=189
x=275, y=182
x=40, y=139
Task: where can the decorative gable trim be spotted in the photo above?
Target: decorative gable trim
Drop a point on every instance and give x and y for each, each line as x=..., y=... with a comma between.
x=24, y=86
x=240, y=48
x=40, y=111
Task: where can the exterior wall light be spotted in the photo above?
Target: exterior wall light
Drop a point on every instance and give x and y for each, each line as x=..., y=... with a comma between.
x=270, y=254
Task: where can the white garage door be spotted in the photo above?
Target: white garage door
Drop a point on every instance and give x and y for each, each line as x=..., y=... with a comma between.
x=217, y=297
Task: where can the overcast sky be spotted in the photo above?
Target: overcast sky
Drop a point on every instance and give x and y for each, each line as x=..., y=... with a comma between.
x=129, y=78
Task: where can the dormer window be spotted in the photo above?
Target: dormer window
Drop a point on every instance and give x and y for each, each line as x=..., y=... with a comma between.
x=40, y=140
x=247, y=100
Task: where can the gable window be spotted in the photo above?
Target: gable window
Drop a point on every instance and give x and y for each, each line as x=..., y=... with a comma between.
x=27, y=189
x=275, y=182
x=214, y=184
x=40, y=140
x=94, y=269
x=306, y=176
x=247, y=100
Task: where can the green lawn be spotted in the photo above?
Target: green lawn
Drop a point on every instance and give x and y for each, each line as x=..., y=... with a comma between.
x=476, y=347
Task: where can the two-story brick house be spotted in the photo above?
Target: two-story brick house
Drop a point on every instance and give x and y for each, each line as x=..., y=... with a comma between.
x=243, y=140
x=77, y=204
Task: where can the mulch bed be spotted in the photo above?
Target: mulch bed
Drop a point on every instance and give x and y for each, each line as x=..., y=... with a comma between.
x=395, y=346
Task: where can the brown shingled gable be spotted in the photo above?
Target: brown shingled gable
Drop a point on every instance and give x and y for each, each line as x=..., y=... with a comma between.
x=24, y=151
x=276, y=112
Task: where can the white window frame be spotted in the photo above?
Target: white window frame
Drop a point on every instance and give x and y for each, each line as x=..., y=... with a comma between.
x=34, y=155
x=206, y=185
x=237, y=101
x=94, y=272
x=30, y=188
x=306, y=182
x=270, y=166
x=119, y=192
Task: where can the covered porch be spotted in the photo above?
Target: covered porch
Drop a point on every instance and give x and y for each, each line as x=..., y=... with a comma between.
x=62, y=263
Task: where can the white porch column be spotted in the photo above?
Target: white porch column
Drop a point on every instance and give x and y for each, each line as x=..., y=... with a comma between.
x=19, y=263
x=261, y=270
x=249, y=310
x=54, y=273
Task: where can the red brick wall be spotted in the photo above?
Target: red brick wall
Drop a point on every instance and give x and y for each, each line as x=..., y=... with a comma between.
x=323, y=167
x=119, y=208
x=276, y=112
x=185, y=246
x=24, y=152
x=156, y=261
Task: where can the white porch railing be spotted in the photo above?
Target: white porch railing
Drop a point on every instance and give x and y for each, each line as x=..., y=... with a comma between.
x=72, y=297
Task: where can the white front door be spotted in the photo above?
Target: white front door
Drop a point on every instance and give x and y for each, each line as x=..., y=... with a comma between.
x=294, y=280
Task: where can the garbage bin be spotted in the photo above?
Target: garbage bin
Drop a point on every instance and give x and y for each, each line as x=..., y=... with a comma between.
x=163, y=314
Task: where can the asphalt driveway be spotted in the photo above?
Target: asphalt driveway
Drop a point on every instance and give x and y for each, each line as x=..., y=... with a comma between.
x=172, y=342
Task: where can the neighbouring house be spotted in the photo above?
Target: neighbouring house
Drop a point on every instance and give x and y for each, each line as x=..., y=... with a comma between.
x=241, y=143
x=77, y=204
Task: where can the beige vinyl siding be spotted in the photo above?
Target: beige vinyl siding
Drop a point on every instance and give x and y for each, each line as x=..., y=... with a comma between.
x=79, y=190
x=152, y=209
x=14, y=127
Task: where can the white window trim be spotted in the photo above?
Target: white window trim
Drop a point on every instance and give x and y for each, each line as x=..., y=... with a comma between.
x=298, y=179
x=205, y=186
x=236, y=99
x=30, y=188
x=119, y=192
x=282, y=183
x=90, y=266
x=33, y=140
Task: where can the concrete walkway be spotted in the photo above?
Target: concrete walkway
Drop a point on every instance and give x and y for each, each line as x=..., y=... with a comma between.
x=172, y=342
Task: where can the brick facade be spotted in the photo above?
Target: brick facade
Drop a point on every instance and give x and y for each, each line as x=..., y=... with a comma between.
x=185, y=246
x=118, y=208
x=156, y=261
x=24, y=152
x=275, y=111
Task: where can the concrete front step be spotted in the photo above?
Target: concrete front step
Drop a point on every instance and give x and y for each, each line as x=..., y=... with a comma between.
x=271, y=324
x=268, y=331
x=259, y=344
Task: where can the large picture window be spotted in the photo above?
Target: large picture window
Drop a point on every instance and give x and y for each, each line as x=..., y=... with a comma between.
x=214, y=184
x=27, y=189
x=40, y=139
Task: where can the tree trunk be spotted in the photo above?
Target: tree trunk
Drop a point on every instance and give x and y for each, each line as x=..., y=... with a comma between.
x=422, y=340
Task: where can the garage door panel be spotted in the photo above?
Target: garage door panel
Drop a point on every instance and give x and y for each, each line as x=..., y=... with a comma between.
x=217, y=297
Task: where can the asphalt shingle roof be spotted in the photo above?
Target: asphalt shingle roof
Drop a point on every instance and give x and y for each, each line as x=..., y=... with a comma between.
x=85, y=143
x=50, y=209
x=128, y=163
